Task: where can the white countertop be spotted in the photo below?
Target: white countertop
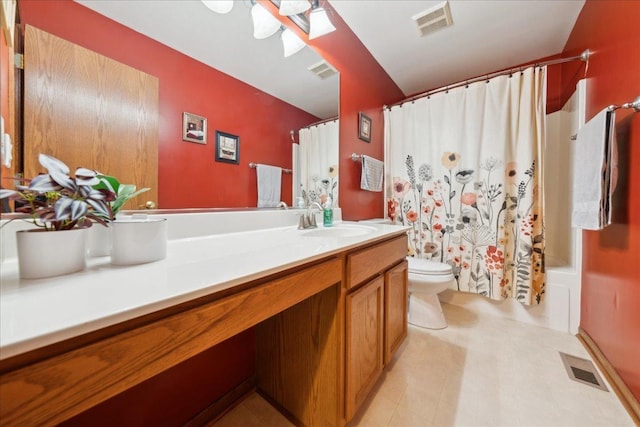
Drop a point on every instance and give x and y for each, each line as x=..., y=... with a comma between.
x=36, y=313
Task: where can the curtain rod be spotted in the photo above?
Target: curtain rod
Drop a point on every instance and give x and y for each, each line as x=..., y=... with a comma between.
x=584, y=57
x=330, y=119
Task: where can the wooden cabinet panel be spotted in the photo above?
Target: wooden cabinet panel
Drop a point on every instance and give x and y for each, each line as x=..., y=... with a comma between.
x=89, y=111
x=370, y=261
x=396, y=294
x=364, y=340
x=298, y=354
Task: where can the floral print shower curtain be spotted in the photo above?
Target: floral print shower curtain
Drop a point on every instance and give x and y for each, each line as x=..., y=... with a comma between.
x=463, y=170
x=318, y=161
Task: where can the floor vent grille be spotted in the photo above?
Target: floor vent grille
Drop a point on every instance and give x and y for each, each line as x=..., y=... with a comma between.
x=582, y=371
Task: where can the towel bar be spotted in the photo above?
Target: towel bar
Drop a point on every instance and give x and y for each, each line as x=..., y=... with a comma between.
x=255, y=165
x=635, y=105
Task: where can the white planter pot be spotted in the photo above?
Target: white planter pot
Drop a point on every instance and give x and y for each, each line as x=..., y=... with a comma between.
x=137, y=241
x=51, y=253
x=99, y=241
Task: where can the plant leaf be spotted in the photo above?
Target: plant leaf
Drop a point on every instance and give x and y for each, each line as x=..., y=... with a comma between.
x=52, y=164
x=101, y=208
x=58, y=171
x=4, y=193
x=107, y=183
x=43, y=184
x=86, y=177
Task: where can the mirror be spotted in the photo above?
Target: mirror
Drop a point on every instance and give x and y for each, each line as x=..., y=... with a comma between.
x=189, y=176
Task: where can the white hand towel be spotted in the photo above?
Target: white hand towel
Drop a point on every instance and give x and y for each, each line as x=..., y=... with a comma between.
x=269, y=178
x=594, y=156
x=372, y=171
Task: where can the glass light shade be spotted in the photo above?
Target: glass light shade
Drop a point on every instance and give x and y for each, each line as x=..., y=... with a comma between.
x=291, y=42
x=264, y=23
x=219, y=6
x=320, y=23
x=293, y=7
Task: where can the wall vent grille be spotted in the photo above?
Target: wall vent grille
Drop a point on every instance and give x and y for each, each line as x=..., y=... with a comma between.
x=323, y=70
x=433, y=19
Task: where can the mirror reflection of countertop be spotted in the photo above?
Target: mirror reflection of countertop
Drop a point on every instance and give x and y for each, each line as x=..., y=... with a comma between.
x=35, y=313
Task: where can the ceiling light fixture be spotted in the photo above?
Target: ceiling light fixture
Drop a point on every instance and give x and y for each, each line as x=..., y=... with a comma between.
x=219, y=6
x=319, y=21
x=293, y=7
x=264, y=23
x=291, y=42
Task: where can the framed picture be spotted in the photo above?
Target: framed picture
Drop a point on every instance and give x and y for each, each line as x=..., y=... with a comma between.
x=364, y=127
x=194, y=128
x=227, y=148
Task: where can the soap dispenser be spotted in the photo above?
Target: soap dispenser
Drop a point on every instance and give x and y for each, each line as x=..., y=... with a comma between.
x=327, y=213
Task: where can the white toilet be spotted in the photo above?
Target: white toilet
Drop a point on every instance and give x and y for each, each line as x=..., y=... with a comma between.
x=426, y=280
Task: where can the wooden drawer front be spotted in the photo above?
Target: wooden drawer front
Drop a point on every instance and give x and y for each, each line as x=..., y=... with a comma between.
x=368, y=262
x=396, y=294
x=364, y=341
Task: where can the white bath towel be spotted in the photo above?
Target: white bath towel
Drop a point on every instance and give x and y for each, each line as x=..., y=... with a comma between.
x=269, y=178
x=594, y=172
x=372, y=170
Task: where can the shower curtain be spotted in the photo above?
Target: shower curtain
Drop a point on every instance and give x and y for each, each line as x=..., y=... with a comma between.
x=318, y=163
x=463, y=170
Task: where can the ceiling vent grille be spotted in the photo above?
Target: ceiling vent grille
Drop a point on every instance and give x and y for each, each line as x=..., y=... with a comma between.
x=433, y=19
x=323, y=70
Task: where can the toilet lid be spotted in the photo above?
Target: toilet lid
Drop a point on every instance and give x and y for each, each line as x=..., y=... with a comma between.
x=425, y=266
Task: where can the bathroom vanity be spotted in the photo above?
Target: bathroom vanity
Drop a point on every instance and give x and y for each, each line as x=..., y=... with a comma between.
x=328, y=305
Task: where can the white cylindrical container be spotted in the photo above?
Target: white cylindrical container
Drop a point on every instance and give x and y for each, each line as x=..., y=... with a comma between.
x=138, y=241
x=51, y=253
x=99, y=243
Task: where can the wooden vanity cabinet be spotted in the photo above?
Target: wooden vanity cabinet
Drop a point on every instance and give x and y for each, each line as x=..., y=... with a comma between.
x=375, y=315
x=324, y=331
x=396, y=299
x=364, y=342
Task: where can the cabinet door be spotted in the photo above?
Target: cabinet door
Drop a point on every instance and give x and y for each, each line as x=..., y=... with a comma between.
x=91, y=111
x=364, y=341
x=396, y=294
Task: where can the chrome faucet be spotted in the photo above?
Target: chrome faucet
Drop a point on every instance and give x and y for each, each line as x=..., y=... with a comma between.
x=308, y=219
x=282, y=205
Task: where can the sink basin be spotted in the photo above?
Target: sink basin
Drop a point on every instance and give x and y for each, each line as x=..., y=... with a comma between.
x=341, y=230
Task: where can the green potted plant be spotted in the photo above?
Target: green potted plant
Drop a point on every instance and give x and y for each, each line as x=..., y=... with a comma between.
x=62, y=207
x=123, y=192
x=100, y=238
x=132, y=240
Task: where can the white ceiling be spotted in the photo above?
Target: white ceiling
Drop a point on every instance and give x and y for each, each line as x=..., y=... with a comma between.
x=486, y=36
x=226, y=43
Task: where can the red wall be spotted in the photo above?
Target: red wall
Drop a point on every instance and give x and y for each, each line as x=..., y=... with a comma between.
x=188, y=174
x=364, y=87
x=610, y=306
x=175, y=396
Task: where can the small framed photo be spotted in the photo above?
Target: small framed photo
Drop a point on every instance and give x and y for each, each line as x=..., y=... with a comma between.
x=364, y=127
x=194, y=128
x=227, y=148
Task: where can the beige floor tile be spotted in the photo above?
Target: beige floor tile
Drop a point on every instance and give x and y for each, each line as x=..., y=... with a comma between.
x=479, y=371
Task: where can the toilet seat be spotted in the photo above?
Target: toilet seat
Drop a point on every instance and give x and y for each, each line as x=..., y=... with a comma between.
x=428, y=267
